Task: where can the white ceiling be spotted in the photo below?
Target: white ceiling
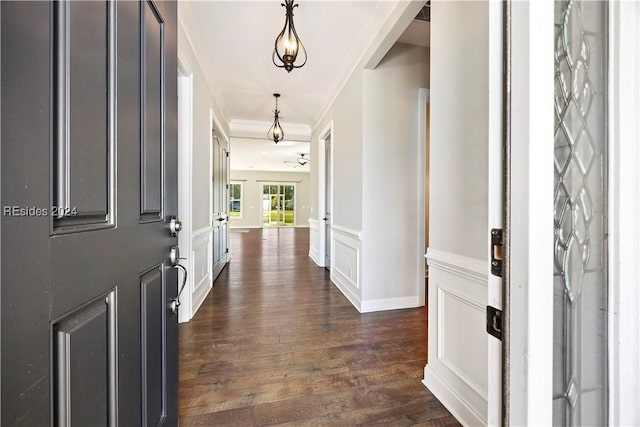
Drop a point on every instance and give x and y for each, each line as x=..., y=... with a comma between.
x=234, y=41
x=240, y=36
x=263, y=155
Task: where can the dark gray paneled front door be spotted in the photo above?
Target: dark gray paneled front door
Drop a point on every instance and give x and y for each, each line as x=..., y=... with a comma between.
x=89, y=180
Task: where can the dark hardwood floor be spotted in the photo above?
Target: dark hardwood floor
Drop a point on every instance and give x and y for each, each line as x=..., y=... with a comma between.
x=275, y=343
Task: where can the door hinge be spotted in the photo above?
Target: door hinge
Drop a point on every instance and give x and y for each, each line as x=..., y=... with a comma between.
x=496, y=251
x=226, y=251
x=227, y=154
x=494, y=322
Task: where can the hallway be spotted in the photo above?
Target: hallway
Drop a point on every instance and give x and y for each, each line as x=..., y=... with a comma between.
x=276, y=343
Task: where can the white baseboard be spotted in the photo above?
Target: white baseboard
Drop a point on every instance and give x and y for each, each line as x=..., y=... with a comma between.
x=200, y=295
x=451, y=400
x=313, y=254
x=344, y=288
x=397, y=303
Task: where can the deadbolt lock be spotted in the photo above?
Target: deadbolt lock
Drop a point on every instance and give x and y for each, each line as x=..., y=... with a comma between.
x=175, y=225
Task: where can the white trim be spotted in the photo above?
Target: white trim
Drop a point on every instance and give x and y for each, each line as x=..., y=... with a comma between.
x=423, y=98
x=185, y=167
x=240, y=227
x=343, y=287
x=241, y=184
x=323, y=226
x=495, y=203
x=313, y=242
x=465, y=267
x=200, y=240
x=295, y=203
x=255, y=129
x=531, y=269
x=347, y=231
x=189, y=26
x=200, y=231
x=624, y=206
x=451, y=399
x=385, y=25
x=367, y=306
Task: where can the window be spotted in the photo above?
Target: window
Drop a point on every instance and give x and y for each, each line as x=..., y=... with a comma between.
x=235, y=200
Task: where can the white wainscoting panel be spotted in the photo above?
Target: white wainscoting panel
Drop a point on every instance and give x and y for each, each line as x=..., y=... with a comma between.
x=313, y=240
x=456, y=372
x=382, y=304
x=346, y=260
x=201, y=266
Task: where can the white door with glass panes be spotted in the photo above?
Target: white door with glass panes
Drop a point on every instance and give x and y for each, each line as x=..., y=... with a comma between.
x=278, y=205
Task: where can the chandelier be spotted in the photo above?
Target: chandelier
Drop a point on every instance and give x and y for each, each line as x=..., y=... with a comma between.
x=288, y=45
x=276, y=134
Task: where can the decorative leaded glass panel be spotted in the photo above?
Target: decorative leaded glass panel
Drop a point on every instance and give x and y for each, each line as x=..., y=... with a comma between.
x=580, y=281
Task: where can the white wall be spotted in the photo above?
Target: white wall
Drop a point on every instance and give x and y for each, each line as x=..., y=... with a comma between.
x=252, y=196
x=459, y=131
x=458, y=209
x=375, y=225
x=346, y=115
x=196, y=239
x=392, y=201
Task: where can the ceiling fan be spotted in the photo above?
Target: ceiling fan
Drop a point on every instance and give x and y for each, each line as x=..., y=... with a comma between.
x=301, y=161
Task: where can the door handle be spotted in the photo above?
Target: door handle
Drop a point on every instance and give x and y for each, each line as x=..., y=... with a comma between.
x=175, y=303
x=174, y=255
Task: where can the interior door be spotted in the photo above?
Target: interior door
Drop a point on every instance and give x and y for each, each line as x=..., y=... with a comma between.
x=224, y=204
x=328, y=201
x=89, y=150
x=219, y=205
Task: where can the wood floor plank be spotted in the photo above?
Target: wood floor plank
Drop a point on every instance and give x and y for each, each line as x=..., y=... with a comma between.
x=275, y=343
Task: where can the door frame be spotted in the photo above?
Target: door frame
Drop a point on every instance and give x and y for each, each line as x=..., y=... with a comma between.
x=323, y=226
x=624, y=210
x=185, y=191
x=422, y=214
x=295, y=201
x=531, y=351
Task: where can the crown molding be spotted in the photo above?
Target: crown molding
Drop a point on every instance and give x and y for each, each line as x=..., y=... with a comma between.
x=195, y=41
x=257, y=129
x=387, y=23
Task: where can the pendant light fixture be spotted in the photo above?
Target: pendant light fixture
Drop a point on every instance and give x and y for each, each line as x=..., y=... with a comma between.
x=288, y=45
x=276, y=134
x=303, y=160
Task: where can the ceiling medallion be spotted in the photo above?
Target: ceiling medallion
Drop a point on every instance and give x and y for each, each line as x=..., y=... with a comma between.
x=276, y=134
x=288, y=45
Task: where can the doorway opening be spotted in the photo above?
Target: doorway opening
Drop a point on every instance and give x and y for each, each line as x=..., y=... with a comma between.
x=278, y=204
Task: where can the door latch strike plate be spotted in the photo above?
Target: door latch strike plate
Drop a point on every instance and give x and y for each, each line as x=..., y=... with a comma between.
x=494, y=322
x=496, y=251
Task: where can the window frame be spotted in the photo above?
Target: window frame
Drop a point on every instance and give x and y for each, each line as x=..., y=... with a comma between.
x=232, y=199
